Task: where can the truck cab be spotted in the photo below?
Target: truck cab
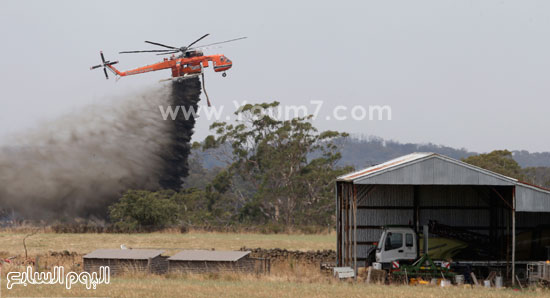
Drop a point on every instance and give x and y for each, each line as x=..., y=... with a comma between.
x=397, y=244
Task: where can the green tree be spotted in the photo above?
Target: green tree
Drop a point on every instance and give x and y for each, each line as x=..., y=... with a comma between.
x=140, y=210
x=280, y=170
x=498, y=161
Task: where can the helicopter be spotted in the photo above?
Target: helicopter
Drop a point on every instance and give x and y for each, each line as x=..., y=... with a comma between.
x=189, y=62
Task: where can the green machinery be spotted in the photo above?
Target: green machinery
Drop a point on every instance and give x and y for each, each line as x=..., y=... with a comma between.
x=423, y=267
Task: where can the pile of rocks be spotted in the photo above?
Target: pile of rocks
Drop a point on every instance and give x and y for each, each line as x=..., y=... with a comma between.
x=64, y=253
x=278, y=254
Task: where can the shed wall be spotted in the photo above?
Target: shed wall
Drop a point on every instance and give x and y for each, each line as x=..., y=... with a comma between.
x=243, y=265
x=116, y=266
x=531, y=200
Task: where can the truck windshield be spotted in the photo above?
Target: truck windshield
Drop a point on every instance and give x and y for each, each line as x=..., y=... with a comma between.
x=381, y=242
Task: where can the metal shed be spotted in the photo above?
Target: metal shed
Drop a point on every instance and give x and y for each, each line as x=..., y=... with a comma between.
x=419, y=187
x=200, y=261
x=120, y=260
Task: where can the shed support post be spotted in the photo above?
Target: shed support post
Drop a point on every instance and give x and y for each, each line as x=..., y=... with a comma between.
x=350, y=227
x=416, y=214
x=344, y=223
x=508, y=244
x=346, y=256
x=342, y=226
x=338, y=223
x=355, y=229
x=514, y=236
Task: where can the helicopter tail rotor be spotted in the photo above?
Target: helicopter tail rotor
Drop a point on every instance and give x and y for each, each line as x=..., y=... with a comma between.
x=104, y=64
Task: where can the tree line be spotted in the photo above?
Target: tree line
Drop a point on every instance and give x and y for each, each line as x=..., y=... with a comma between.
x=269, y=172
x=277, y=172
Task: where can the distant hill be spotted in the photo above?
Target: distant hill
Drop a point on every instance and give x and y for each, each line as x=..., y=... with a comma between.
x=367, y=151
x=536, y=159
x=361, y=153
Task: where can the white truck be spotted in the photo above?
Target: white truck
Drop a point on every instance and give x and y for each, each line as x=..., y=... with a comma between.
x=402, y=243
x=401, y=246
x=397, y=244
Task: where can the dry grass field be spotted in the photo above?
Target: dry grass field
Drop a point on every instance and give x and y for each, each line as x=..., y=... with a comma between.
x=286, y=280
x=12, y=242
x=248, y=286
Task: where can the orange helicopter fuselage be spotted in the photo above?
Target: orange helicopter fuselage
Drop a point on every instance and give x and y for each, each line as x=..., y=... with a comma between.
x=181, y=66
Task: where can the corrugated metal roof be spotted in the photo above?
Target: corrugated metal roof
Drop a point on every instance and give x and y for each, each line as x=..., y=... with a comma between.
x=388, y=164
x=209, y=255
x=129, y=254
x=415, y=158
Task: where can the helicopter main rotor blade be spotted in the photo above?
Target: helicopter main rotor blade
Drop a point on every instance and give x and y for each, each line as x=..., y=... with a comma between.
x=105, y=71
x=145, y=51
x=102, y=58
x=168, y=53
x=207, y=45
x=194, y=42
x=160, y=44
x=97, y=66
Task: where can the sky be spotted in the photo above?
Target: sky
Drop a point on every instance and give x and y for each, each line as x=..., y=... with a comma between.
x=466, y=74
